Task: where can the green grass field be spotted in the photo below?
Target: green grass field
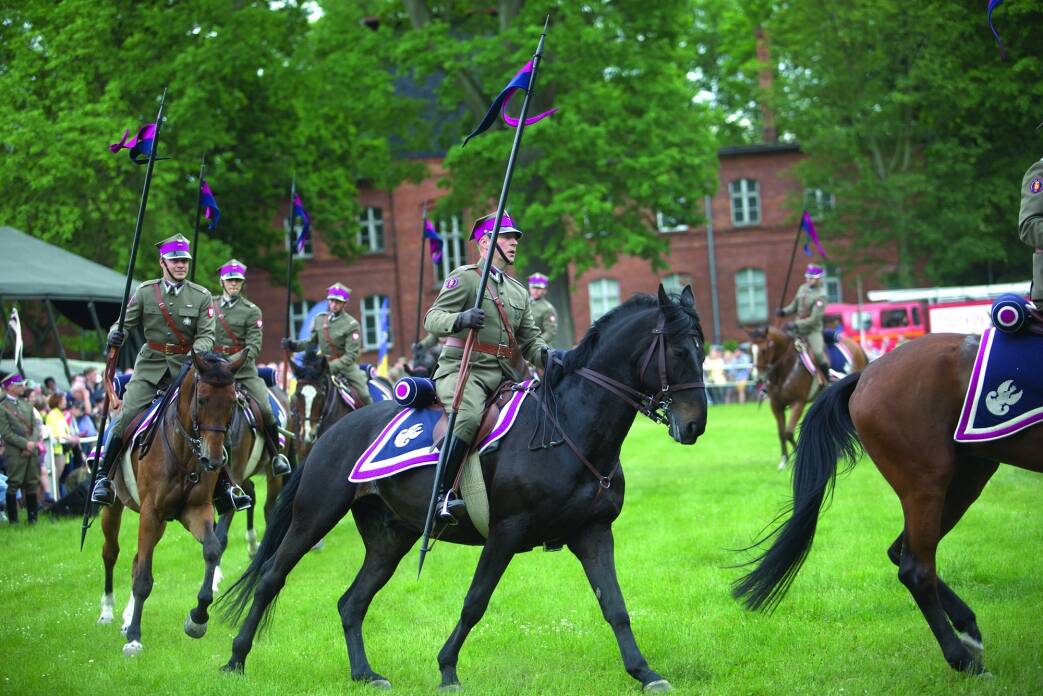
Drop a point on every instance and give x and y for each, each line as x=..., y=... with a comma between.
x=848, y=625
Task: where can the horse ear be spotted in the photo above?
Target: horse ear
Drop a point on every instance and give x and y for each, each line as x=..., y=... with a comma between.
x=234, y=367
x=664, y=299
x=687, y=297
x=198, y=362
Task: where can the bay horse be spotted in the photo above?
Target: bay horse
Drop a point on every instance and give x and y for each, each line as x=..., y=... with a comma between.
x=316, y=406
x=787, y=381
x=908, y=433
x=644, y=356
x=174, y=481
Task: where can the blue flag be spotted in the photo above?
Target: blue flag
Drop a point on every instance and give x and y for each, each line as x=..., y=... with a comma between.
x=520, y=81
x=210, y=210
x=993, y=4
x=434, y=240
x=812, y=235
x=385, y=337
x=299, y=211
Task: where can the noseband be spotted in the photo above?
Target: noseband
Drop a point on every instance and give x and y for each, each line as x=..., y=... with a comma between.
x=195, y=438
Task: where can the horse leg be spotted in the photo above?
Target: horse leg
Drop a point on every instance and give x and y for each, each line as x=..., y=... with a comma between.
x=275, y=484
x=150, y=530
x=251, y=534
x=200, y=522
x=795, y=412
x=386, y=541
x=221, y=532
x=779, y=411
x=110, y=551
x=496, y=556
x=594, y=547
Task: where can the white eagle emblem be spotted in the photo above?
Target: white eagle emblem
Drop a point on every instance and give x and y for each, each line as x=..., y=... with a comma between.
x=411, y=433
x=1006, y=395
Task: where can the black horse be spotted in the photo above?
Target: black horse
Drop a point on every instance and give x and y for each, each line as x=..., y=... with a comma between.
x=645, y=356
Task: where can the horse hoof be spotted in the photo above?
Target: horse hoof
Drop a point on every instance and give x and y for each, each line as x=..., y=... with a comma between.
x=379, y=684
x=232, y=667
x=450, y=688
x=659, y=686
x=132, y=648
x=975, y=647
x=782, y=463
x=105, y=618
x=108, y=608
x=193, y=629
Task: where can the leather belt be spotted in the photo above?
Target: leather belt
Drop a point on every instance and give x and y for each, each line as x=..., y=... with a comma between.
x=226, y=350
x=169, y=348
x=495, y=349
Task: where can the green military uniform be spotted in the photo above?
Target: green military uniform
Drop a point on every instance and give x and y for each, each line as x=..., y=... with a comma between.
x=19, y=426
x=339, y=338
x=810, y=306
x=545, y=317
x=1030, y=223
x=487, y=370
x=238, y=326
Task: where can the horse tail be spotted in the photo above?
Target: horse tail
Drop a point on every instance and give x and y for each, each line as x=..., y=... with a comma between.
x=235, y=600
x=826, y=435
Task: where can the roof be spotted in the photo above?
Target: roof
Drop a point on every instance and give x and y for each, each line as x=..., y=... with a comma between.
x=757, y=149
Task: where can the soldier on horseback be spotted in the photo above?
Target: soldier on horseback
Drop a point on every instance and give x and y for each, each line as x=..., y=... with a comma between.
x=239, y=329
x=338, y=336
x=543, y=313
x=507, y=336
x=810, y=305
x=1030, y=224
x=177, y=318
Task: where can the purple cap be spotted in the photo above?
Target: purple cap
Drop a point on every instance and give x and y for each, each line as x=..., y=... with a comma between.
x=814, y=271
x=175, y=247
x=538, y=280
x=338, y=292
x=233, y=270
x=484, y=225
x=12, y=380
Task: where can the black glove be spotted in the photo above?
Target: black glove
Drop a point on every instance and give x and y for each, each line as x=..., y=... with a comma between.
x=790, y=326
x=469, y=319
x=417, y=347
x=780, y=312
x=116, y=339
x=289, y=344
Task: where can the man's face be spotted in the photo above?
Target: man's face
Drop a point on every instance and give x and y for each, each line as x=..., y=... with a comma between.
x=175, y=270
x=508, y=243
x=537, y=293
x=812, y=282
x=336, y=305
x=232, y=286
x=15, y=390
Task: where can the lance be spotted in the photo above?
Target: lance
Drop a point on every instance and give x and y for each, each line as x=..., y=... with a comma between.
x=199, y=204
x=420, y=285
x=472, y=334
x=289, y=282
x=792, y=257
x=110, y=361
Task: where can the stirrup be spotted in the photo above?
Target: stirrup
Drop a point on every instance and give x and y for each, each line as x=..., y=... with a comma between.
x=281, y=465
x=450, y=508
x=103, y=493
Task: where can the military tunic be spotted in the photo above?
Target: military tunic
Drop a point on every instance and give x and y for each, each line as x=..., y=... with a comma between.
x=339, y=338
x=238, y=327
x=810, y=307
x=1030, y=223
x=545, y=317
x=18, y=426
x=487, y=371
x=158, y=360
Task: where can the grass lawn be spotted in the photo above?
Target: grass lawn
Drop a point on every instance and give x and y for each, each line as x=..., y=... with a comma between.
x=848, y=625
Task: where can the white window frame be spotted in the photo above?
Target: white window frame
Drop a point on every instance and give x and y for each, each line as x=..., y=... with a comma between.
x=755, y=305
x=745, y=192
x=667, y=225
x=371, y=323
x=298, y=313
x=453, y=249
x=603, y=296
x=308, y=251
x=371, y=230
x=832, y=284
x=675, y=282
x=819, y=202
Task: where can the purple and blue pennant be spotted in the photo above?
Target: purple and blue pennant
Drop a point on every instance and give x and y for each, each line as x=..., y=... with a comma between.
x=993, y=4
x=521, y=81
x=434, y=240
x=812, y=235
x=140, y=145
x=300, y=212
x=210, y=210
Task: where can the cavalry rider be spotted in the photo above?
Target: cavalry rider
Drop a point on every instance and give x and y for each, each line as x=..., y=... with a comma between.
x=21, y=433
x=1030, y=224
x=337, y=334
x=543, y=313
x=177, y=317
x=810, y=305
x=506, y=335
x=238, y=328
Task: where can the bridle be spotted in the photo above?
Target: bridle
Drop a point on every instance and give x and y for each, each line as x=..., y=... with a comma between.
x=772, y=360
x=195, y=437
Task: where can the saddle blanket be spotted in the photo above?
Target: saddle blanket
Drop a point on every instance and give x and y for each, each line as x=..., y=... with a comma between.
x=377, y=391
x=1005, y=392
x=839, y=357
x=408, y=440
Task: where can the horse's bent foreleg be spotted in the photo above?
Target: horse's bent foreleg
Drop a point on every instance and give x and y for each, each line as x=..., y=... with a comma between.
x=595, y=549
x=387, y=541
x=779, y=411
x=201, y=524
x=150, y=530
x=110, y=551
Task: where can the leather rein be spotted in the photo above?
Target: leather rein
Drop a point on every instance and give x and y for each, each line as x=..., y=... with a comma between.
x=195, y=438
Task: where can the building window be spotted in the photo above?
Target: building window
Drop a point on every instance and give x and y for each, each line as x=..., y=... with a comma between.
x=298, y=313
x=371, y=230
x=751, y=296
x=452, y=248
x=306, y=252
x=818, y=202
x=746, y=203
x=604, y=295
x=667, y=224
x=371, y=323
x=675, y=282
x=831, y=282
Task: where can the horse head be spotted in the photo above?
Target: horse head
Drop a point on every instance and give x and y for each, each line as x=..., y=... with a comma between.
x=210, y=408
x=309, y=398
x=770, y=346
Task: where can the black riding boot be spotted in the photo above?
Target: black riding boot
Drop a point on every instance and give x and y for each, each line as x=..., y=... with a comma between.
x=280, y=464
x=450, y=507
x=12, y=506
x=31, y=508
x=228, y=496
x=104, y=493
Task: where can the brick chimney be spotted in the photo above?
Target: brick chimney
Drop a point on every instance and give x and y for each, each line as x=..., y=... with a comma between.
x=765, y=80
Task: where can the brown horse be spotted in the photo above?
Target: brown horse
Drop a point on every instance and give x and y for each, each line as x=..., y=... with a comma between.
x=174, y=481
x=908, y=433
x=787, y=381
x=316, y=406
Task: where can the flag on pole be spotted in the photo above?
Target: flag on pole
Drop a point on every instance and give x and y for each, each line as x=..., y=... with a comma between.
x=15, y=323
x=993, y=4
x=299, y=211
x=210, y=210
x=385, y=337
x=812, y=235
x=434, y=240
x=140, y=145
x=521, y=81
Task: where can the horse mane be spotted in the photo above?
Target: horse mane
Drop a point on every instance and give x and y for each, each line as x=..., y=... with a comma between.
x=215, y=370
x=681, y=321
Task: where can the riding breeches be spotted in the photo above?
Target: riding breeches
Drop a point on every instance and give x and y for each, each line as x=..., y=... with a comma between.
x=479, y=387
x=357, y=379
x=136, y=398
x=255, y=387
x=818, y=348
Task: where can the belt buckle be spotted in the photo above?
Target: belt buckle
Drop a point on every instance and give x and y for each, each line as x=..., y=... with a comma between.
x=168, y=349
x=503, y=351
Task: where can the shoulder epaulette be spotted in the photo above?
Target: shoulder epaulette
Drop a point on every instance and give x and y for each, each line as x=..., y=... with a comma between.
x=198, y=288
x=146, y=283
x=514, y=280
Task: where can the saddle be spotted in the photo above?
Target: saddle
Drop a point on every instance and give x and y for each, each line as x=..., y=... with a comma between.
x=498, y=400
x=348, y=394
